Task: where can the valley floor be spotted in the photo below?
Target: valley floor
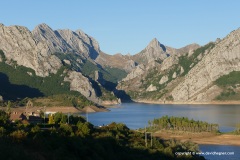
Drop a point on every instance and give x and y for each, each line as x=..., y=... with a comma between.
x=201, y=138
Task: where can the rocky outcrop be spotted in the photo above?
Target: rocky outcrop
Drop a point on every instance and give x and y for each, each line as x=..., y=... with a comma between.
x=151, y=88
x=135, y=73
x=111, y=102
x=130, y=65
x=164, y=79
x=155, y=50
x=221, y=60
x=18, y=44
x=67, y=41
x=81, y=84
x=98, y=77
x=169, y=62
x=181, y=70
x=174, y=75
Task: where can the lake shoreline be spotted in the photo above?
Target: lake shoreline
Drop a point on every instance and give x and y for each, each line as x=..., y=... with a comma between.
x=204, y=138
x=55, y=109
x=192, y=102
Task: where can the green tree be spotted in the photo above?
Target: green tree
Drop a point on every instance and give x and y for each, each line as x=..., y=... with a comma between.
x=18, y=135
x=4, y=117
x=57, y=117
x=84, y=129
x=9, y=105
x=66, y=130
x=60, y=118
x=51, y=119
x=2, y=131
x=35, y=129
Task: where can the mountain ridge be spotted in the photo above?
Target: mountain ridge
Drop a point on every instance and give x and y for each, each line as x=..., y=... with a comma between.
x=163, y=71
x=190, y=77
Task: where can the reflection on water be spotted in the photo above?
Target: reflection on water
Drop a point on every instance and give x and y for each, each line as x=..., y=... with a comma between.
x=137, y=115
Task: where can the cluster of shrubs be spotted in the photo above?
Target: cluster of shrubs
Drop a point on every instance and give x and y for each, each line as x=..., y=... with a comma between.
x=79, y=139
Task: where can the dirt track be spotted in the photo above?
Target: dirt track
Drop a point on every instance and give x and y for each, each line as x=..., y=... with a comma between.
x=201, y=138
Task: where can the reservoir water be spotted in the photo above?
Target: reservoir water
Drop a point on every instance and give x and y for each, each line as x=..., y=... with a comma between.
x=220, y=152
x=137, y=115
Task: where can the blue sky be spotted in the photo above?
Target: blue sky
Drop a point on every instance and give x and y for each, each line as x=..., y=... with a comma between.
x=127, y=26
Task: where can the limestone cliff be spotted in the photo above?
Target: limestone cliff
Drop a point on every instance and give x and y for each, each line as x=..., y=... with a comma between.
x=159, y=71
x=219, y=61
x=37, y=50
x=157, y=51
x=81, y=84
x=189, y=76
x=18, y=44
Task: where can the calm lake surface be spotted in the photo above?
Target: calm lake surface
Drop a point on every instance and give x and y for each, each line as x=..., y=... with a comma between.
x=219, y=149
x=137, y=115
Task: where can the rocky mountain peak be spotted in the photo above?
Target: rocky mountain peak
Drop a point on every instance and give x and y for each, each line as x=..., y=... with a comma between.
x=154, y=50
x=41, y=30
x=43, y=26
x=155, y=44
x=36, y=49
x=90, y=41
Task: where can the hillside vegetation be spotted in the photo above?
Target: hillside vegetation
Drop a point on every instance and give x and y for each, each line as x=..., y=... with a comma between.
x=81, y=140
x=88, y=68
x=230, y=85
x=18, y=82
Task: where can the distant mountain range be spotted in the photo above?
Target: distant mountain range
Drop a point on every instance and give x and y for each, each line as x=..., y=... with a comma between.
x=158, y=72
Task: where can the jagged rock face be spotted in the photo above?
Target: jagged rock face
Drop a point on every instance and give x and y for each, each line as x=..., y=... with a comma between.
x=140, y=69
x=221, y=60
x=67, y=41
x=157, y=51
x=55, y=43
x=130, y=65
x=80, y=43
x=154, y=50
x=19, y=45
x=169, y=62
x=35, y=49
x=81, y=84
